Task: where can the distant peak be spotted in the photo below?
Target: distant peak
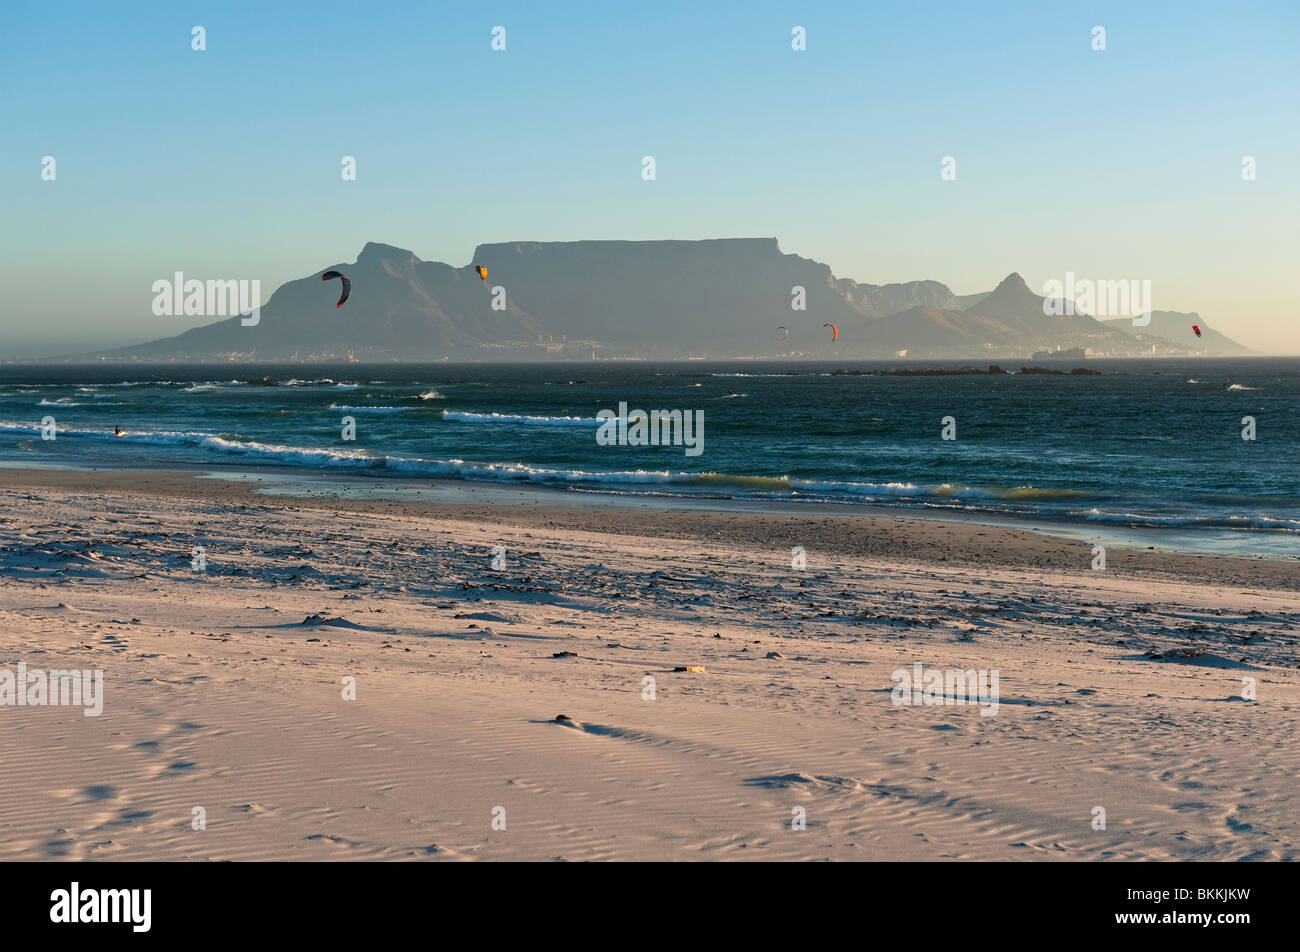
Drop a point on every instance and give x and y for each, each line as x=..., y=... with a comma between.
x=1012, y=282
x=375, y=249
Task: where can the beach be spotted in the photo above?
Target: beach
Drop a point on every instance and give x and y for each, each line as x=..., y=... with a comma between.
x=372, y=678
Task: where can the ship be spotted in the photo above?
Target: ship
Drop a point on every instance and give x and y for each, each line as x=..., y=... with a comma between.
x=1072, y=353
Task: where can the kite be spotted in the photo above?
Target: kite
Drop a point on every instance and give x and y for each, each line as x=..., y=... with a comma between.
x=835, y=331
x=347, y=285
x=1197, y=329
x=481, y=272
x=787, y=331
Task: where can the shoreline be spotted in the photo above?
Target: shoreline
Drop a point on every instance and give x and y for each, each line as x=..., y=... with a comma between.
x=839, y=530
x=305, y=482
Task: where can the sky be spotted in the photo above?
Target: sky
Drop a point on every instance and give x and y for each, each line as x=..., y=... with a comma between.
x=1122, y=163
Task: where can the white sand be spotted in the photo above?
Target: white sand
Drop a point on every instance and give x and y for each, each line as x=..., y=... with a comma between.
x=218, y=696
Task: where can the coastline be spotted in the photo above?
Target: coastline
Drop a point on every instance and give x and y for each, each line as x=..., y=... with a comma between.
x=842, y=530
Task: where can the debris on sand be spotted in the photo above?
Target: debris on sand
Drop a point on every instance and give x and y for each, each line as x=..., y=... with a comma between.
x=691, y=668
x=337, y=621
x=565, y=654
x=1175, y=653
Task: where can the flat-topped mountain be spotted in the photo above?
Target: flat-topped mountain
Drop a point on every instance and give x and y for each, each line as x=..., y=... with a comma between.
x=719, y=298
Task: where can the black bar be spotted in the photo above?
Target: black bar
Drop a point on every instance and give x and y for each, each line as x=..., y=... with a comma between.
x=993, y=902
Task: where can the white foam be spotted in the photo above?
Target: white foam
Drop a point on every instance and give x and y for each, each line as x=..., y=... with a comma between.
x=459, y=416
x=339, y=406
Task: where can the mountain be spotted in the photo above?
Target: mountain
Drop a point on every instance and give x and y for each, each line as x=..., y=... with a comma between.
x=647, y=299
x=1009, y=320
x=673, y=298
x=929, y=331
x=880, y=300
x=965, y=301
x=667, y=298
x=1015, y=307
x=1176, y=327
x=400, y=306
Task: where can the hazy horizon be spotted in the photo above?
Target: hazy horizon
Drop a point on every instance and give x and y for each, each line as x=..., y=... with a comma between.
x=1116, y=164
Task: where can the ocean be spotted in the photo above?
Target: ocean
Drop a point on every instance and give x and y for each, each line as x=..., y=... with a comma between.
x=1147, y=445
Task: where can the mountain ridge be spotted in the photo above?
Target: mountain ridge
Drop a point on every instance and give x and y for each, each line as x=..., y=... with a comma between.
x=665, y=299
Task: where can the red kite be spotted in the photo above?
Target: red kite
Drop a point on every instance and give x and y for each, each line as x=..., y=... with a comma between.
x=347, y=285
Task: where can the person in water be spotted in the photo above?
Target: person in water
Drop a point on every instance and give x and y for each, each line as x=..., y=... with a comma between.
x=117, y=431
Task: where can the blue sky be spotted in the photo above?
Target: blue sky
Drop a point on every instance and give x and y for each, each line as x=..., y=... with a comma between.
x=226, y=163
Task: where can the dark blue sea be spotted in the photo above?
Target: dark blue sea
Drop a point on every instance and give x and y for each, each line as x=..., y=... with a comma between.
x=1146, y=444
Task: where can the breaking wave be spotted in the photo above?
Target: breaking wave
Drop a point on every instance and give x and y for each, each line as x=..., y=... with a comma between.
x=460, y=416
